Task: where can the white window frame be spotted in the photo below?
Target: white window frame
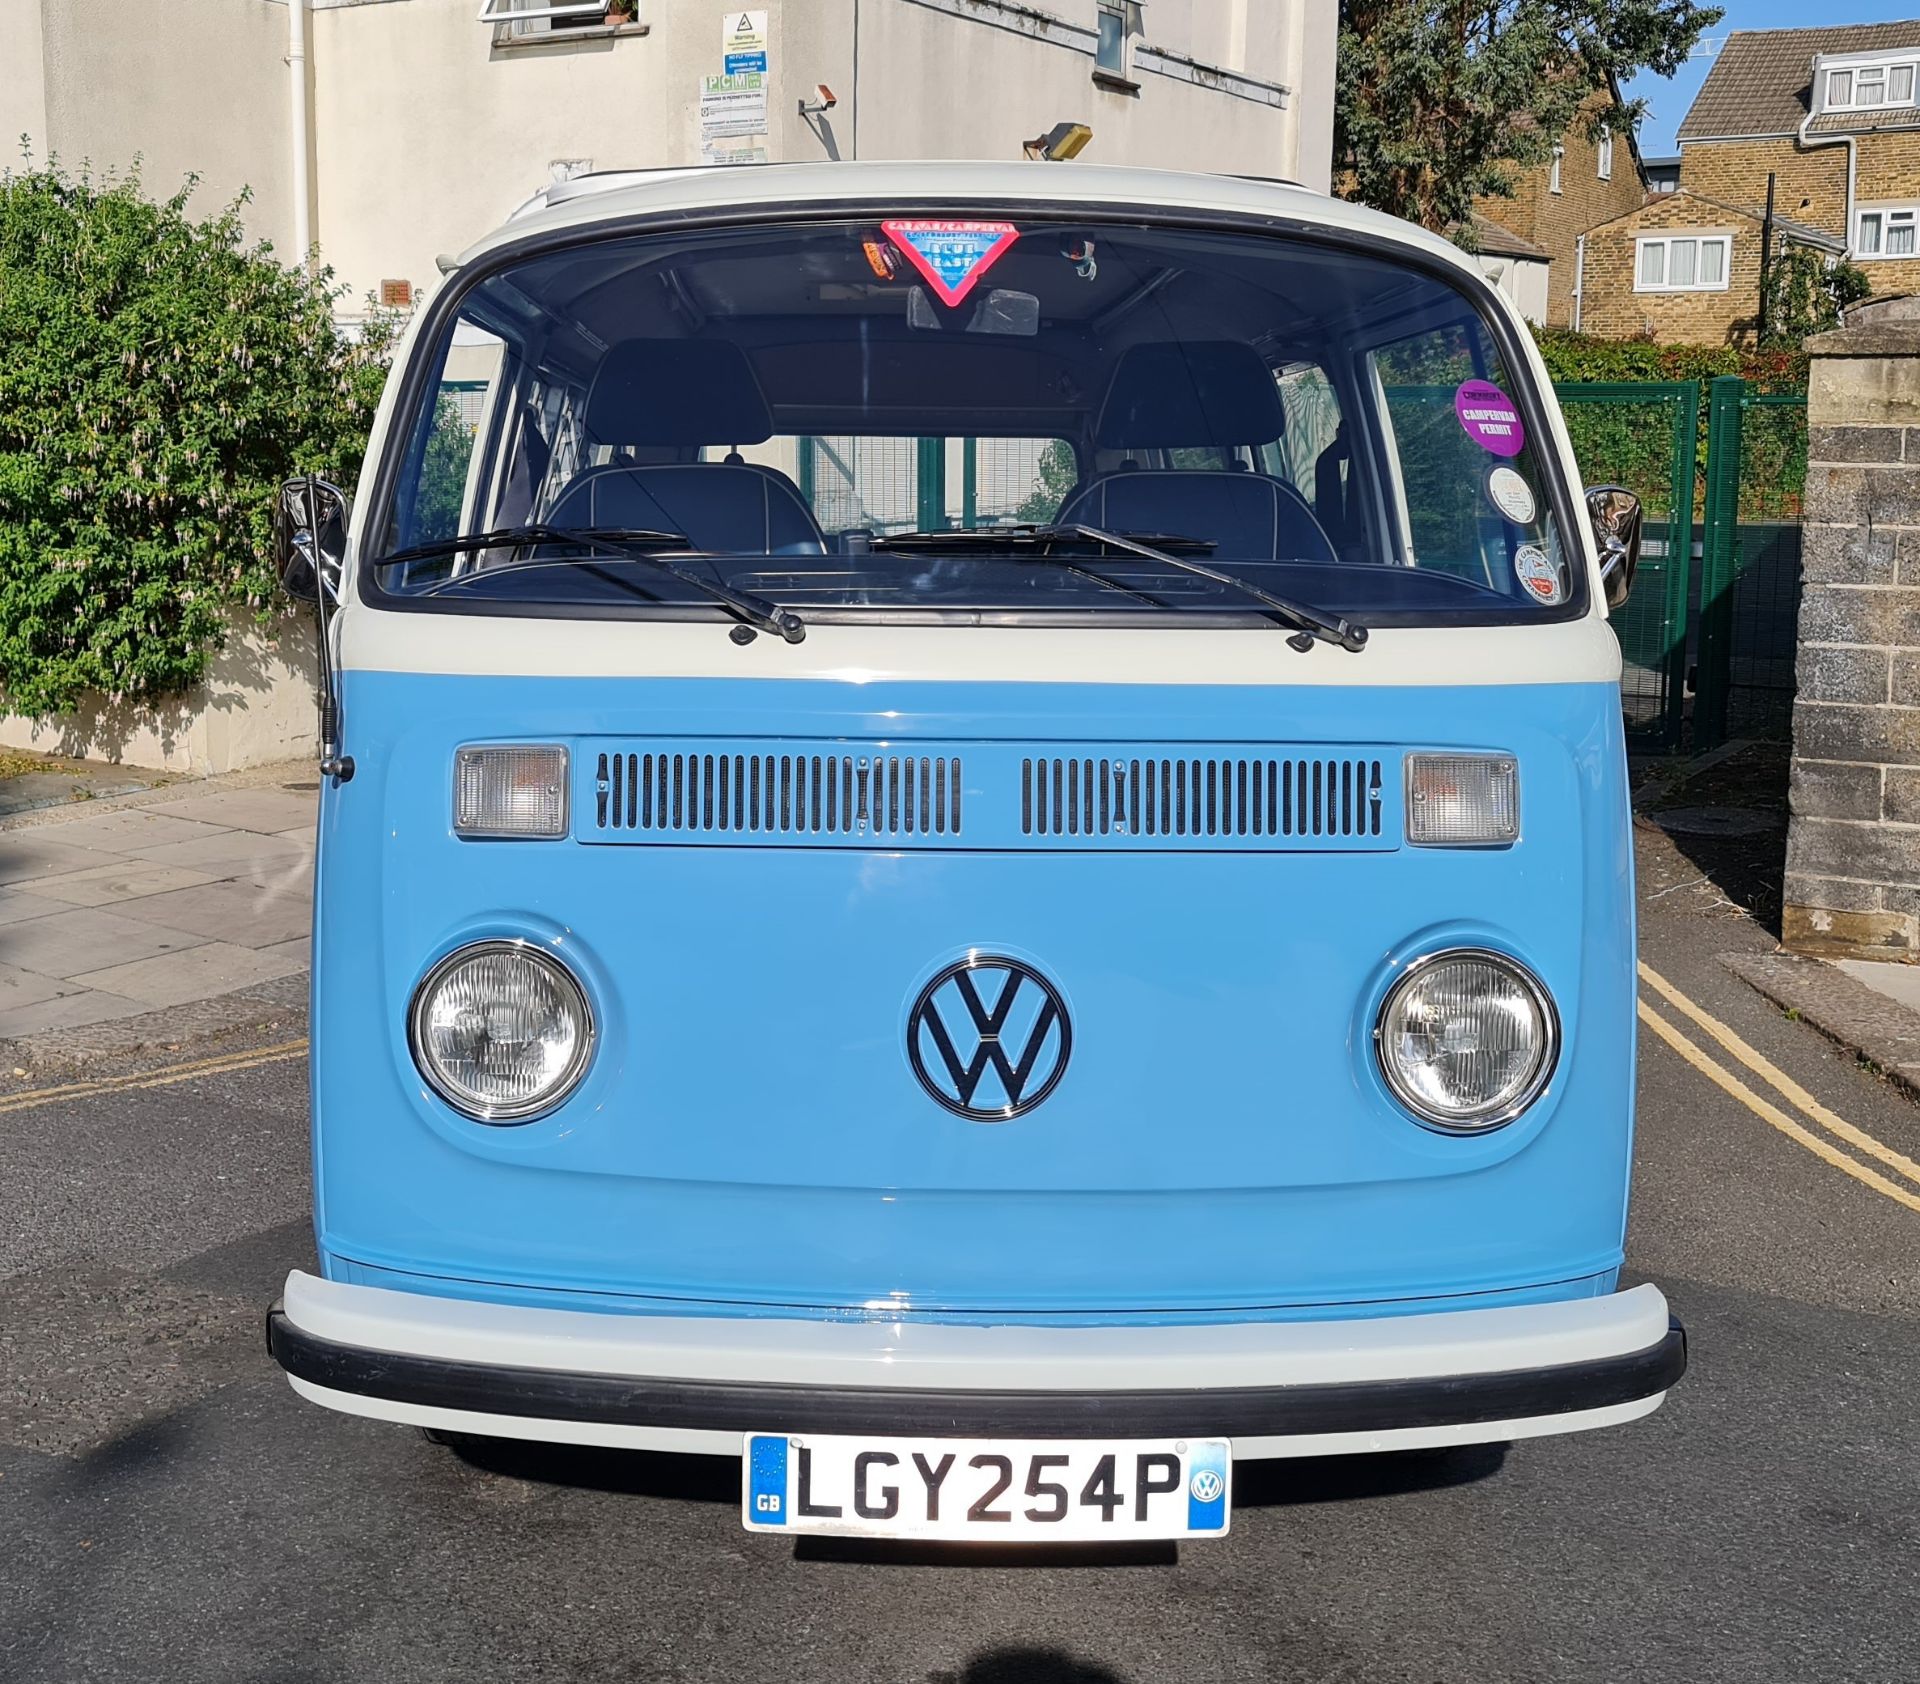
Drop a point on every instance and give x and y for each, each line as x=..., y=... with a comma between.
x=1885, y=218
x=1879, y=73
x=1603, y=155
x=1128, y=13
x=1553, y=175
x=523, y=11
x=1723, y=241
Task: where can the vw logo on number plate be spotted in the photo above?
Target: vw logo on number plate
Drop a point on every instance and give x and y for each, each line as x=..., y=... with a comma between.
x=989, y=1038
x=1207, y=1486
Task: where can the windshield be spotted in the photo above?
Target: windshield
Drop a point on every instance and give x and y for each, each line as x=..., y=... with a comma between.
x=863, y=418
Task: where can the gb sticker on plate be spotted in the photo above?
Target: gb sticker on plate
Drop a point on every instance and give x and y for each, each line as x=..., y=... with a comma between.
x=1537, y=574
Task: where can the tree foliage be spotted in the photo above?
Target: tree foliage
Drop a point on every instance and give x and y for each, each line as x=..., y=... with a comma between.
x=1805, y=294
x=159, y=378
x=1438, y=102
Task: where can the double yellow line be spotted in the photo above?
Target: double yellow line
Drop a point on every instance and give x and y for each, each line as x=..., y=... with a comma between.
x=1902, y=1191
x=250, y=1059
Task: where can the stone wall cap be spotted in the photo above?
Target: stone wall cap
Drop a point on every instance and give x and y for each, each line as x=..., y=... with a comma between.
x=1868, y=339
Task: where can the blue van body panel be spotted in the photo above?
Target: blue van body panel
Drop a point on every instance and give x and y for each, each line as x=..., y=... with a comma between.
x=751, y=1134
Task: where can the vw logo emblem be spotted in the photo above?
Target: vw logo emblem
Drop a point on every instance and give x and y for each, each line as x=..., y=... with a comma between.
x=1207, y=1486
x=989, y=1038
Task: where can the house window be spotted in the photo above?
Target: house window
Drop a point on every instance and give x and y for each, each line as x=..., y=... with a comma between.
x=1553, y=178
x=1865, y=86
x=1886, y=232
x=1604, y=155
x=564, y=13
x=1119, y=22
x=1684, y=263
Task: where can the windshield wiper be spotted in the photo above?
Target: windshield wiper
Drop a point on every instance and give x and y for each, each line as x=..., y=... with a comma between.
x=1308, y=623
x=629, y=542
x=1019, y=532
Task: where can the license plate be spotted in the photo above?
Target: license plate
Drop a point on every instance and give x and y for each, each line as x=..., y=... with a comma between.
x=1029, y=1490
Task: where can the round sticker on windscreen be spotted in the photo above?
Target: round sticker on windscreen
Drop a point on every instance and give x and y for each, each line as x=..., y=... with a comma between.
x=1538, y=577
x=1511, y=495
x=1489, y=418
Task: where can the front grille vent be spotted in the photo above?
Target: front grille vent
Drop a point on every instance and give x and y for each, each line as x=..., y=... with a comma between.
x=1238, y=796
x=780, y=794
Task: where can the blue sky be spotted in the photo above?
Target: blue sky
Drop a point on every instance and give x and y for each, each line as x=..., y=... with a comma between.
x=1668, y=100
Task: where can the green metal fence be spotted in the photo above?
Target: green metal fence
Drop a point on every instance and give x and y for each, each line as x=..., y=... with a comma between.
x=1708, y=645
x=1756, y=475
x=1644, y=435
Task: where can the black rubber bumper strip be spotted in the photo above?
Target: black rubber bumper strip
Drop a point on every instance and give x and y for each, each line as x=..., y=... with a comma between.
x=1211, y=1411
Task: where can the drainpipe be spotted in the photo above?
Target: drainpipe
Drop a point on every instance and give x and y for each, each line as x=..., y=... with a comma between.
x=1809, y=142
x=297, y=106
x=1579, y=278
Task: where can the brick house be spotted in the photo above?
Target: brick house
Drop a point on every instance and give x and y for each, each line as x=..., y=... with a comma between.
x=1591, y=179
x=1683, y=268
x=1833, y=115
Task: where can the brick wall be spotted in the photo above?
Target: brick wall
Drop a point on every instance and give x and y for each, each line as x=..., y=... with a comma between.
x=1555, y=221
x=1809, y=186
x=1853, y=844
x=1614, y=310
x=1889, y=172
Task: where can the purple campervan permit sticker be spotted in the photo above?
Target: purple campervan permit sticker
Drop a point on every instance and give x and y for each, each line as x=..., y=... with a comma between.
x=1490, y=419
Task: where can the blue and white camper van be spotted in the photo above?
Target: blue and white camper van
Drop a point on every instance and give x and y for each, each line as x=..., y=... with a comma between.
x=975, y=848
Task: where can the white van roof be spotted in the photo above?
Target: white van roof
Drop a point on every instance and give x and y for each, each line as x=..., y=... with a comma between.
x=618, y=195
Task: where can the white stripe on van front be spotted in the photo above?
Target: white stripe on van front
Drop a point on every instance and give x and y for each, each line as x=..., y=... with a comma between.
x=1580, y=651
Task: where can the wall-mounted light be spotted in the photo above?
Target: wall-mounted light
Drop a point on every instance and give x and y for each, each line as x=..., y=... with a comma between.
x=1059, y=143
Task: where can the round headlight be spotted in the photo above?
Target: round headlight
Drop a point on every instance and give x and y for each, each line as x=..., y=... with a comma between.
x=1467, y=1039
x=502, y=1031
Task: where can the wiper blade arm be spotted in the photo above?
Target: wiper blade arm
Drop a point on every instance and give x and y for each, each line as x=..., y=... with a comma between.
x=501, y=536
x=632, y=544
x=1309, y=623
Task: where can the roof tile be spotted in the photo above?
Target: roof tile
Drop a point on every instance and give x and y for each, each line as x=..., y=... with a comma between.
x=1762, y=79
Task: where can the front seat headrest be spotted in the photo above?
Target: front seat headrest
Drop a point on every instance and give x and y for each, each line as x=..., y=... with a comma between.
x=677, y=392
x=1202, y=392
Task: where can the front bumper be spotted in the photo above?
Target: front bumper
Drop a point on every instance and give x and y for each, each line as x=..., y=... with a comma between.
x=699, y=1384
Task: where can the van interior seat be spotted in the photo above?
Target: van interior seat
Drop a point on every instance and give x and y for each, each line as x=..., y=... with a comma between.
x=685, y=394
x=1205, y=394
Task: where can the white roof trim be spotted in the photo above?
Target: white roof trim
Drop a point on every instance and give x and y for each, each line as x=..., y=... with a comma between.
x=620, y=196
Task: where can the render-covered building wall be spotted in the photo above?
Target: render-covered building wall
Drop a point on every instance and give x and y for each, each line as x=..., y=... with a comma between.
x=428, y=126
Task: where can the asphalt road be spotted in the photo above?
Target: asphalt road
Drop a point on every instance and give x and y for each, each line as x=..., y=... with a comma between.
x=169, y=1511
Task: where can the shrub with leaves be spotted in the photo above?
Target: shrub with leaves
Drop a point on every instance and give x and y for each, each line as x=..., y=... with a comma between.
x=1806, y=293
x=158, y=378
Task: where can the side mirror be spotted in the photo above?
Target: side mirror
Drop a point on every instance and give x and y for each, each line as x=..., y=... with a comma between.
x=1616, y=516
x=310, y=537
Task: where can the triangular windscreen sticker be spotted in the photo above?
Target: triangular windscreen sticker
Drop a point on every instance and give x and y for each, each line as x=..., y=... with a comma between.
x=951, y=255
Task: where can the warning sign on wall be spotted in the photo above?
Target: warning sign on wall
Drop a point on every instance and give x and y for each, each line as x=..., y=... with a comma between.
x=743, y=32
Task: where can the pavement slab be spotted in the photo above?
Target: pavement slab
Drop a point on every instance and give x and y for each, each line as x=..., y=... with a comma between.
x=86, y=938
x=263, y=810
x=19, y=904
x=231, y=853
x=29, y=854
x=129, y=829
x=240, y=910
x=29, y=988
x=102, y=885
x=216, y=967
x=79, y=1010
x=102, y=902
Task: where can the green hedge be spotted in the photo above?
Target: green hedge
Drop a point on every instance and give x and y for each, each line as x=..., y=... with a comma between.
x=1628, y=443
x=158, y=378
x=1579, y=356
